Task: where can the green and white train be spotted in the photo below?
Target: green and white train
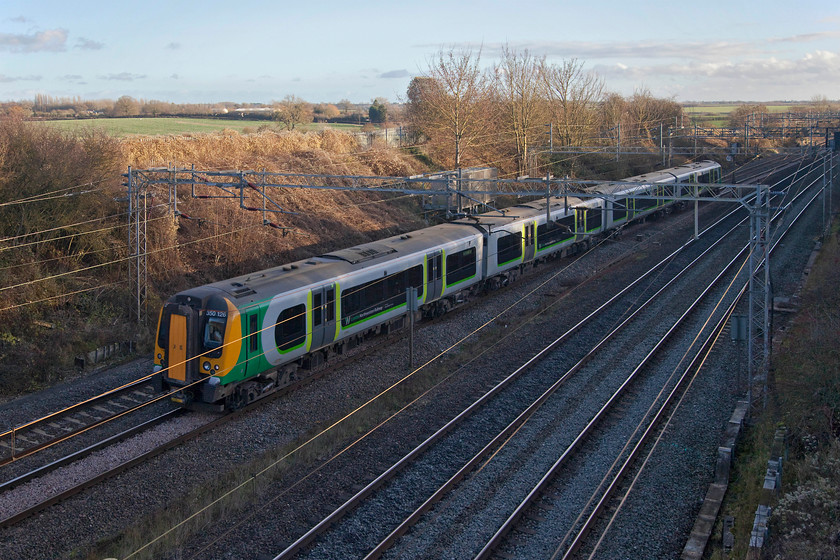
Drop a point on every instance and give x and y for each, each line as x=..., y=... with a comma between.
x=229, y=343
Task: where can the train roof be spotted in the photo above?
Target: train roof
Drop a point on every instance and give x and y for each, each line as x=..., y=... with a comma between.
x=662, y=176
x=669, y=174
x=489, y=221
x=322, y=268
x=404, y=244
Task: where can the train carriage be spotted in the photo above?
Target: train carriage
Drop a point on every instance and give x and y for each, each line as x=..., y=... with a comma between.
x=628, y=203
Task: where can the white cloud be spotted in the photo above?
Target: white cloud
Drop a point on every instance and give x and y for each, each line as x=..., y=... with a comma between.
x=806, y=37
x=818, y=62
x=395, y=74
x=122, y=76
x=53, y=40
x=9, y=79
x=89, y=45
x=756, y=78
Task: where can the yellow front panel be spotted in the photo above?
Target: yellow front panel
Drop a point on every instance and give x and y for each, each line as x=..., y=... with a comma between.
x=178, y=347
x=232, y=345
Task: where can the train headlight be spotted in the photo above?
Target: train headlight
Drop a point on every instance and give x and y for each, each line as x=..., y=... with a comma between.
x=160, y=356
x=216, y=367
x=206, y=366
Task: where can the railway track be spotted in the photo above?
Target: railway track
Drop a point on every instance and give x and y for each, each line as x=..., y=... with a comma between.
x=607, y=506
x=27, y=508
x=319, y=545
x=30, y=438
x=42, y=433
x=594, y=321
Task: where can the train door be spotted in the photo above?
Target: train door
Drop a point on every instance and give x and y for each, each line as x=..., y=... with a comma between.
x=434, y=275
x=180, y=350
x=529, y=239
x=252, y=335
x=323, y=316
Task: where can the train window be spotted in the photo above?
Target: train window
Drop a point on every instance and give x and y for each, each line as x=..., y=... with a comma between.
x=551, y=233
x=330, y=305
x=317, y=308
x=378, y=296
x=414, y=277
x=645, y=204
x=214, y=332
x=460, y=266
x=163, y=335
x=620, y=209
x=433, y=271
x=290, y=331
x=509, y=248
x=253, y=325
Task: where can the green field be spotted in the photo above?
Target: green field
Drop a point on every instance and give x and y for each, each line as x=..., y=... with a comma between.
x=161, y=126
x=717, y=115
x=726, y=109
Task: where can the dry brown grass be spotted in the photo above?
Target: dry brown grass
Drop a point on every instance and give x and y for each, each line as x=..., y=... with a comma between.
x=231, y=150
x=226, y=240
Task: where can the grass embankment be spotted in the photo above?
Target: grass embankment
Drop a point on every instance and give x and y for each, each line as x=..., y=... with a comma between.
x=805, y=398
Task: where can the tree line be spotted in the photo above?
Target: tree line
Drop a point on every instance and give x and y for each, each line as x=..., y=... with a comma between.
x=467, y=114
x=288, y=112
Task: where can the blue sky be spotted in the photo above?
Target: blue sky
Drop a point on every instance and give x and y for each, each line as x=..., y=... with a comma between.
x=259, y=51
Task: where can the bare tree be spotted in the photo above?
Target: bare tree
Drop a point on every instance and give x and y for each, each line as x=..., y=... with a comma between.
x=518, y=86
x=451, y=100
x=573, y=97
x=292, y=111
x=821, y=104
x=614, y=114
x=648, y=114
x=747, y=114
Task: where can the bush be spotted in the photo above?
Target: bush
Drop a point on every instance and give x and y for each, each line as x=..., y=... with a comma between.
x=55, y=189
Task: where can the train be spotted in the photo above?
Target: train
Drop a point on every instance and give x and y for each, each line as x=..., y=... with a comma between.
x=226, y=344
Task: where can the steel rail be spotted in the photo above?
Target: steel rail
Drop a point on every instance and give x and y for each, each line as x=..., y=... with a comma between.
x=75, y=456
x=502, y=436
x=117, y=469
x=26, y=430
x=110, y=393
x=122, y=467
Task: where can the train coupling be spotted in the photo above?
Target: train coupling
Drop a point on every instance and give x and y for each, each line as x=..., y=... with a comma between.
x=182, y=398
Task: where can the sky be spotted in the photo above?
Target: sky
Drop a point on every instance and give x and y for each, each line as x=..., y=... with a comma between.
x=252, y=51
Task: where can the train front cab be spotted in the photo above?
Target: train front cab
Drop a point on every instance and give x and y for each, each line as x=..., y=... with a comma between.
x=198, y=343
